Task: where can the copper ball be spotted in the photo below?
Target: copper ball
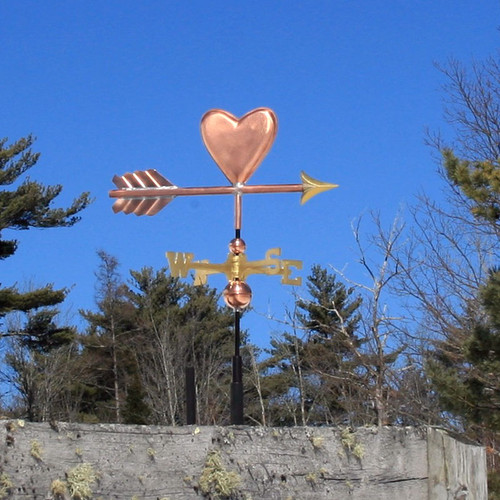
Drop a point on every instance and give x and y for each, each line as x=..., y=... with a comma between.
x=237, y=295
x=237, y=246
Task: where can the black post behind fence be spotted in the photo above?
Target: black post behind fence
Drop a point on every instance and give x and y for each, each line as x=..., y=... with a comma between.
x=246, y=147
x=190, y=396
x=237, y=384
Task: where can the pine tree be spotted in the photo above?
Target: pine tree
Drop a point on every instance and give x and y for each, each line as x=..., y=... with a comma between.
x=479, y=181
x=136, y=410
x=107, y=345
x=178, y=325
x=29, y=206
x=466, y=371
x=42, y=334
x=464, y=364
x=318, y=368
x=39, y=349
x=331, y=312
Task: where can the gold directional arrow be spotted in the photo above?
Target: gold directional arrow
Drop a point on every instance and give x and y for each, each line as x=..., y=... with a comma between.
x=238, y=146
x=236, y=267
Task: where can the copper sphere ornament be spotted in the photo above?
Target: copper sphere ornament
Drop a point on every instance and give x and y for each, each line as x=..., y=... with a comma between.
x=237, y=295
x=238, y=146
x=237, y=246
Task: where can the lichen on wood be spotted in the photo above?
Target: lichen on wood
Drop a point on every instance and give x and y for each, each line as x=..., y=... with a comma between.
x=216, y=482
x=6, y=485
x=350, y=443
x=58, y=489
x=80, y=480
x=36, y=450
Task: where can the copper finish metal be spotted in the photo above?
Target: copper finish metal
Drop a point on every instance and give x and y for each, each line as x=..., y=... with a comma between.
x=134, y=188
x=237, y=210
x=237, y=246
x=237, y=295
x=173, y=191
x=238, y=145
x=137, y=182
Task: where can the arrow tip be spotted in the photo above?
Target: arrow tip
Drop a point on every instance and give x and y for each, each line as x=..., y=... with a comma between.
x=312, y=187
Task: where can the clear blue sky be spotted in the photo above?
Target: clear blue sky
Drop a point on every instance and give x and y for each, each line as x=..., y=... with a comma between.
x=115, y=86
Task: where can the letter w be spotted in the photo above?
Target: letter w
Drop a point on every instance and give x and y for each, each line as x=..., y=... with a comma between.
x=180, y=263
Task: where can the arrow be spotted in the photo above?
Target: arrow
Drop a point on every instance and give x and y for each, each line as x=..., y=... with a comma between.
x=147, y=192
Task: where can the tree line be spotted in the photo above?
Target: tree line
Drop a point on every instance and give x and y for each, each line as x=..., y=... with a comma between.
x=417, y=342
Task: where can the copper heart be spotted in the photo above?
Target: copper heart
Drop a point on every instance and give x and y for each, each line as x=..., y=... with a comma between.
x=238, y=146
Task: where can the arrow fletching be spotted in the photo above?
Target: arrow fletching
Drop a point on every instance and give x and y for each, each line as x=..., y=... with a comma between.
x=136, y=204
x=147, y=192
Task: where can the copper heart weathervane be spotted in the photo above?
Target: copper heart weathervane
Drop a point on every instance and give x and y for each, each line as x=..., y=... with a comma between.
x=238, y=147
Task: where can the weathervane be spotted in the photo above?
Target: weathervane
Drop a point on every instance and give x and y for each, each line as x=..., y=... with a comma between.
x=237, y=146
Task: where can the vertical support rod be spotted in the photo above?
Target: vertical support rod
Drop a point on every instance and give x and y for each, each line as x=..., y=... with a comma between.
x=237, y=212
x=237, y=384
x=190, y=396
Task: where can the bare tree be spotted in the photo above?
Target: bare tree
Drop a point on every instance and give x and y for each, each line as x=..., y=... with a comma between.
x=43, y=386
x=472, y=107
x=160, y=374
x=469, y=162
x=254, y=378
x=378, y=355
x=180, y=325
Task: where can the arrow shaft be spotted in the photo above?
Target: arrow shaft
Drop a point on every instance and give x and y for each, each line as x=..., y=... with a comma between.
x=147, y=192
x=172, y=191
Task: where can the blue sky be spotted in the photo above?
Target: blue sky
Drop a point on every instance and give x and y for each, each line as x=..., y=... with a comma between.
x=116, y=86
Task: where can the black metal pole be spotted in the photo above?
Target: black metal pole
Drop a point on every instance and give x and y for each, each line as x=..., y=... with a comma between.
x=237, y=384
x=190, y=396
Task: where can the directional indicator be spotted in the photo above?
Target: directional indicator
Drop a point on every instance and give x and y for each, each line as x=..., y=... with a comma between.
x=236, y=267
x=238, y=146
x=147, y=192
